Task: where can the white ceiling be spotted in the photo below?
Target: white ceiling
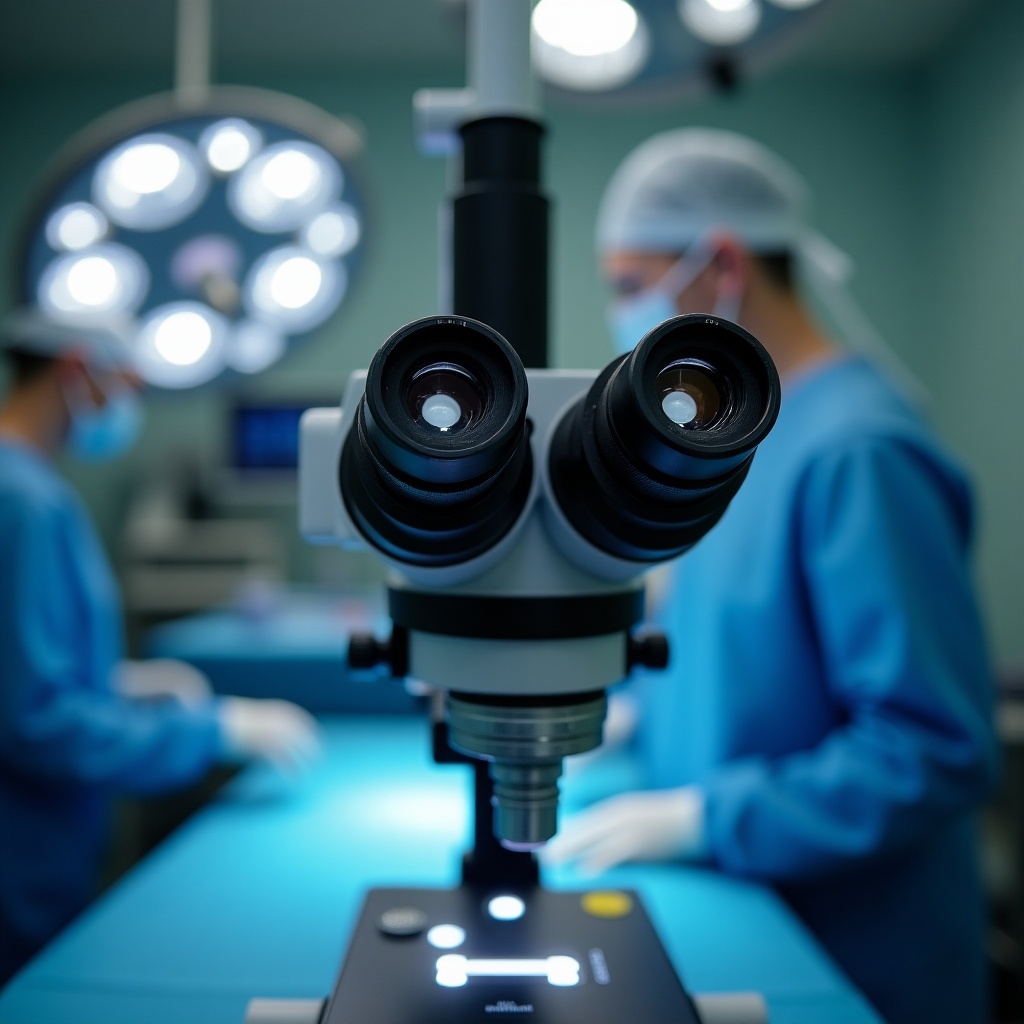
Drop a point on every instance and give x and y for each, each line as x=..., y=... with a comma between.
x=50, y=36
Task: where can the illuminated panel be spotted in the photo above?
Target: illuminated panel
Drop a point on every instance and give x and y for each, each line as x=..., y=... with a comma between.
x=454, y=970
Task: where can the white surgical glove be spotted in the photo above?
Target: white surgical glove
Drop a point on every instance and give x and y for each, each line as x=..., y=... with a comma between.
x=162, y=677
x=276, y=731
x=659, y=825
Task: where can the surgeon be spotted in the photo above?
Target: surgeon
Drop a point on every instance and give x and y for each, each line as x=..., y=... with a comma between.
x=69, y=736
x=825, y=724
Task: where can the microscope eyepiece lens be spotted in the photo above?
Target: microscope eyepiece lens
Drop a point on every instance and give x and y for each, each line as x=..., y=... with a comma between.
x=648, y=461
x=437, y=467
x=692, y=394
x=444, y=396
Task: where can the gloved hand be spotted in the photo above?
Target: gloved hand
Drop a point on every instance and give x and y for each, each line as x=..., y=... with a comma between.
x=659, y=825
x=276, y=731
x=162, y=677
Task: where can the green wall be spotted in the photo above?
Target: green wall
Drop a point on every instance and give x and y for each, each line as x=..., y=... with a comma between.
x=974, y=253
x=883, y=154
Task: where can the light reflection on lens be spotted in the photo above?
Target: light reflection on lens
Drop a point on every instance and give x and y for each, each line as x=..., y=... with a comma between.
x=690, y=394
x=445, y=397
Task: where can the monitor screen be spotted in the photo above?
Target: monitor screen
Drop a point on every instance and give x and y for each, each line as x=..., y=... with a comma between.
x=265, y=436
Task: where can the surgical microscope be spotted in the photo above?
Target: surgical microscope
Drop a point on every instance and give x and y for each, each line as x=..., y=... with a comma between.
x=518, y=508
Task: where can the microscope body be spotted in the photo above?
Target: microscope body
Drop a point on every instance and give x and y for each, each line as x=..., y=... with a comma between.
x=518, y=510
x=541, y=615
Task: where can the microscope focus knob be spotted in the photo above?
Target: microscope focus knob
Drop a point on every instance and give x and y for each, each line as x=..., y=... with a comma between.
x=366, y=651
x=647, y=650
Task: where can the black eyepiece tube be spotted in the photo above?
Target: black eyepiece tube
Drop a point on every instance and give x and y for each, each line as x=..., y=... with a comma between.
x=437, y=466
x=648, y=461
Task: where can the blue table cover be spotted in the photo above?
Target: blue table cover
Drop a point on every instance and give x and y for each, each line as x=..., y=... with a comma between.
x=257, y=895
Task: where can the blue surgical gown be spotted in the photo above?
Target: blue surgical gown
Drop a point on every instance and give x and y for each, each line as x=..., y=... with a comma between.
x=830, y=691
x=66, y=740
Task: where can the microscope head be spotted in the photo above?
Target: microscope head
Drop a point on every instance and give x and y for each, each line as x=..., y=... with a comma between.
x=519, y=509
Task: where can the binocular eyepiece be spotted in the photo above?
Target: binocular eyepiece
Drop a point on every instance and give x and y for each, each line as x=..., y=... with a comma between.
x=438, y=466
x=648, y=461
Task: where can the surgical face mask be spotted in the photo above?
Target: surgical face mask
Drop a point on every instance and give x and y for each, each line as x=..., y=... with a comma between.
x=631, y=318
x=99, y=433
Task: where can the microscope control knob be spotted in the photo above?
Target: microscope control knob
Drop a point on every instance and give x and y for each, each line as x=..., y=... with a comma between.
x=647, y=650
x=366, y=651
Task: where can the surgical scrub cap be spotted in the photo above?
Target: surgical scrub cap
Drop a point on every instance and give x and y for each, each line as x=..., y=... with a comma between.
x=104, y=345
x=679, y=186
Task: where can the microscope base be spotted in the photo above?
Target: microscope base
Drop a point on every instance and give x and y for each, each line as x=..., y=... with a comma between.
x=519, y=967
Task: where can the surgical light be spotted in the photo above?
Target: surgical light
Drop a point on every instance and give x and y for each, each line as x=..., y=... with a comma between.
x=586, y=28
x=104, y=280
x=641, y=50
x=284, y=187
x=183, y=338
x=721, y=22
x=334, y=232
x=229, y=144
x=253, y=347
x=150, y=182
x=588, y=44
x=293, y=289
x=75, y=226
x=181, y=344
x=219, y=231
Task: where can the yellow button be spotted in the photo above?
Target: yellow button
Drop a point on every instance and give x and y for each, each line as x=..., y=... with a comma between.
x=606, y=904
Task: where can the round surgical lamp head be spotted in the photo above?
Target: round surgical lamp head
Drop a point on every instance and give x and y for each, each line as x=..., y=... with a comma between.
x=642, y=51
x=224, y=233
x=588, y=44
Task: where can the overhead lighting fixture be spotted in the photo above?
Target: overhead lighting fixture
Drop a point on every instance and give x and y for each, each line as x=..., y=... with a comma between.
x=221, y=231
x=181, y=344
x=292, y=289
x=334, y=232
x=794, y=5
x=588, y=44
x=253, y=347
x=284, y=187
x=150, y=182
x=229, y=144
x=101, y=281
x=76, y=226
x=721, y=22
